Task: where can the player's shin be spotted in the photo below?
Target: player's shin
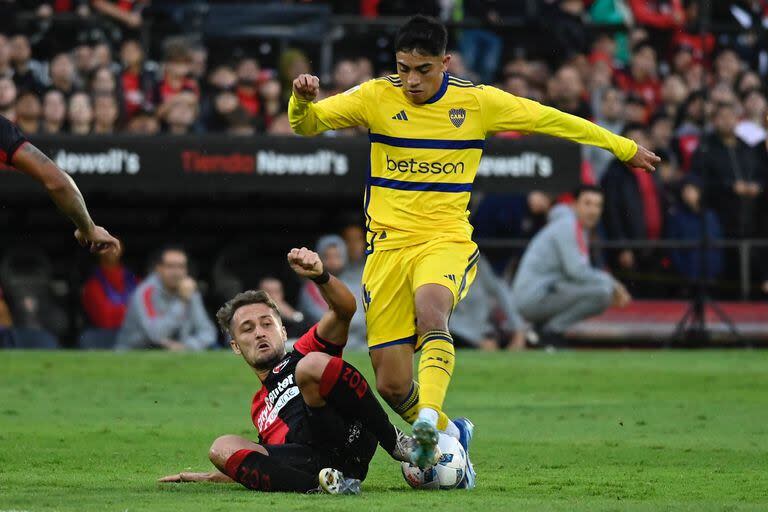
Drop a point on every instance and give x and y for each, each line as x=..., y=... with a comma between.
x=347, y=391
x=435, y=371
x=260, y=472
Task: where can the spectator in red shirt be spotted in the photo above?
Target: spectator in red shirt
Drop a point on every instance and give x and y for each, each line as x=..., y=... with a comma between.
x=125, y=12
x=642, y=79
x=136, y=80
x=248, y=74
x=659, y=14
x=106, y=293
x=176, y=79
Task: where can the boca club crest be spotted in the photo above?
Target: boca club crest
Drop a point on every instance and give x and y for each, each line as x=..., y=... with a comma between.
x=457, y=116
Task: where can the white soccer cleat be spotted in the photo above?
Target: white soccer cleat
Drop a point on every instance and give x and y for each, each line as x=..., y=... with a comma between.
x=332, y=481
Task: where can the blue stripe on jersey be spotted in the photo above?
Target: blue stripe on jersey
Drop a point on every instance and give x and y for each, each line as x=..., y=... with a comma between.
x=472, y=262
x=401, y=341
x=420, y=186
x=369, y=246
x=441, y=92
x=401, y=142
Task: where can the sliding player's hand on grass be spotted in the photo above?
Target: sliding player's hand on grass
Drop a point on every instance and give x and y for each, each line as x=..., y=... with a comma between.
x=306, y=87
x=195, y=477
x=305, y=263
x=644, y=159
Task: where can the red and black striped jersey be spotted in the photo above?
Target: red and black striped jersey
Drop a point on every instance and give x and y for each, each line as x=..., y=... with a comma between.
x=278, y=410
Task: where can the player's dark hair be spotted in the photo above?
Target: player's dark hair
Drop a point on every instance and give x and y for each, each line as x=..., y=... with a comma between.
x=422, y=34
x=227, y=311
x=584, y=189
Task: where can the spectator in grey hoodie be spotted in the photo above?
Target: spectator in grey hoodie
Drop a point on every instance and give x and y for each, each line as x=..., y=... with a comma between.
x=555, y=285
x=166, y=311
x=471, y=323
x=333, y=254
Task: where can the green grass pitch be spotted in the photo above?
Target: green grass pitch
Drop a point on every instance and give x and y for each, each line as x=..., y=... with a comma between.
x=564, y=431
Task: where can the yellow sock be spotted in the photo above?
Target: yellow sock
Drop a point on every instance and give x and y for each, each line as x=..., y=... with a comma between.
x=409, y=408
x=435, y=371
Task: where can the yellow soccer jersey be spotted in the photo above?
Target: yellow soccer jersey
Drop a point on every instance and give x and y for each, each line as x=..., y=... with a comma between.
x=424, y=158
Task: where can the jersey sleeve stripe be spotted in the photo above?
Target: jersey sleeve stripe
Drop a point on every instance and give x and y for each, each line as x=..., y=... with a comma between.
x=401, y=142
x=421, y=186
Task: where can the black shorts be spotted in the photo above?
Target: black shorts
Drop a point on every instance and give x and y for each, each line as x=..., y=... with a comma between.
x=351, y=458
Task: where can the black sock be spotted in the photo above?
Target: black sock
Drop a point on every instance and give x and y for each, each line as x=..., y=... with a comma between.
x=263, y=473
x=347, y=391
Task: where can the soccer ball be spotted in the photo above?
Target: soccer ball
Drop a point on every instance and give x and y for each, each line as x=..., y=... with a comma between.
x=446, y=474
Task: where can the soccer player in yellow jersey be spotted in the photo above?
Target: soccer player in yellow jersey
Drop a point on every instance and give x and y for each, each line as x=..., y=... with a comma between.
x=427, y=131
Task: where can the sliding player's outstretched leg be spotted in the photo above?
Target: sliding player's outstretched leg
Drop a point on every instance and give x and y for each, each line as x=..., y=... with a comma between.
x=335, y=390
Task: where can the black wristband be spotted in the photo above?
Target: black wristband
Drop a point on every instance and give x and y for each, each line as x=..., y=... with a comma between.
x=322, y=278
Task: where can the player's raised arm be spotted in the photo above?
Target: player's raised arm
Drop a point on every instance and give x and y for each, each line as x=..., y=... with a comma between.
x=343, y=110
x=504, y=111
x=25, y=157
x=334, y=325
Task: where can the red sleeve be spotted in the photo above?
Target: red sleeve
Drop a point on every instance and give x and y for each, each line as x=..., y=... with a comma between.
x=11, y=139
x=312, y=342
x=647, y=15
x=101, y=312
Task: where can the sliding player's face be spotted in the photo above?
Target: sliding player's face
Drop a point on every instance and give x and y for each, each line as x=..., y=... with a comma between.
x=258, y=335
x=422, y=75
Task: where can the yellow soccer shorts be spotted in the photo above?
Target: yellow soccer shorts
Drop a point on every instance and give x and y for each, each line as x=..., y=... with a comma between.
x=391, y=278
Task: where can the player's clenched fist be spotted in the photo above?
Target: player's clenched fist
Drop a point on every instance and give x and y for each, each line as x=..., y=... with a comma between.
x=305, y=263
x=306, y=87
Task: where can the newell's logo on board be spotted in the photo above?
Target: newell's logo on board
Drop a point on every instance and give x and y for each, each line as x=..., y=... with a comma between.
x=525, y=165
x=112, y=161
x=322, y=162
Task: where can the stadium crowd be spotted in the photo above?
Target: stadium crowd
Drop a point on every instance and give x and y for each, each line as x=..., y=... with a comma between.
x=639, y=68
